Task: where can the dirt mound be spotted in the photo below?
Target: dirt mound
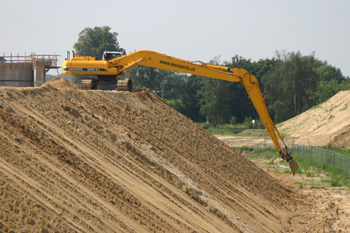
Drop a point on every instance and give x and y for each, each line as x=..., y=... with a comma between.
x=326, y=123
x=61, y=83
x=343, y=138
x=107, y=161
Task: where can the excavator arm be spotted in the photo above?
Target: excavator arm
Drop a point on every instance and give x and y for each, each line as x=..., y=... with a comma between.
x=116, y=66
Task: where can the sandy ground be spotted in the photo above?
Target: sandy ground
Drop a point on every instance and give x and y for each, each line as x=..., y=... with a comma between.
x=327, y=123
x=329, y=207
x=239, y=141
x=107, y=161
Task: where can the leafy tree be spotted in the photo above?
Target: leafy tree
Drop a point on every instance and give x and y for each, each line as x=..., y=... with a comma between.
x=180, y=90
x=93, y=42
x=214, y=98
x=163, y=82
x=188, y=88
x=248, y=122
x=142, y=76
x=177, y=104
x=233, y=120
x=328, y=73
x=290, y=85
x=240, y=105
x=327, y=89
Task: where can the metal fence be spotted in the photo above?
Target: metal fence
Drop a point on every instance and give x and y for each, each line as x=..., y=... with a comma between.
x=322, y=157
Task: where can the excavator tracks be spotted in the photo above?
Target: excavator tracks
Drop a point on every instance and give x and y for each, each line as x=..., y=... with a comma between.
x=88, y=84
x=124, y=85
x=91, y=84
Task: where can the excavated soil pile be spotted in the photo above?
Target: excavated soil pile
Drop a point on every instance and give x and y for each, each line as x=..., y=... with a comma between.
x=327, y=123
x=61, y=83
x=107, y=161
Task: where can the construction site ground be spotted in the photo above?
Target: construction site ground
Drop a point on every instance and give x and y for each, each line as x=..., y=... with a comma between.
x=329, y=207
x=248, y=141
x=106, y=161
x=325, y=124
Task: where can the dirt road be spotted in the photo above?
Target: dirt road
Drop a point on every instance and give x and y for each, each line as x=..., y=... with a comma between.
x=239, y=141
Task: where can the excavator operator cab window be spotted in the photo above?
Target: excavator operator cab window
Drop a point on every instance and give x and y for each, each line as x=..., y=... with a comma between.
x=110, y=56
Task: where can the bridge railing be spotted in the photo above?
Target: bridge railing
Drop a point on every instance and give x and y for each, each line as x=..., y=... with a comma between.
x=50, y=60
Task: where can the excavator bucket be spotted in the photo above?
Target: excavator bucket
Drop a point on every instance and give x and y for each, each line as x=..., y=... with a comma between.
x=293, y=166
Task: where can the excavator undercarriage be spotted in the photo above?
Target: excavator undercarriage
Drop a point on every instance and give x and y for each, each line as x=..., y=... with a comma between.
x=91, y=83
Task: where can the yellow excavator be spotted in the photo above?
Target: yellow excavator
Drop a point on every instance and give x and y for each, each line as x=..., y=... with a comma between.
x=114, y=64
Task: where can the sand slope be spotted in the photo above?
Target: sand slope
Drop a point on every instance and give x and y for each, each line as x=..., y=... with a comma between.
x=326, y=123
x=107, y=161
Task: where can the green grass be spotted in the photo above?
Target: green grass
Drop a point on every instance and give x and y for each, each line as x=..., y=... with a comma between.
x=270, y=163
x=315, y=184
x=244, y=148
x=222, y=131
x=335, y=181
x=253, y=132
x=335, y=178
x=345, y=107
x=342, y=151
x=310, y=174
x=287, y=171
x=299, y=171
x=226, y=129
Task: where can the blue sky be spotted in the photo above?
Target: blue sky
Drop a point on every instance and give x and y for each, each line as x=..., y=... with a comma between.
x=188, y=29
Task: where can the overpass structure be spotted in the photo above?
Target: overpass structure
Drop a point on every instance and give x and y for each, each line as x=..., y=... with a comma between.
x=27, y=70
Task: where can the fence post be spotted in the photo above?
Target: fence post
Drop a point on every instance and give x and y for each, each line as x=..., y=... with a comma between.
x=323, y=157
x=302, y=151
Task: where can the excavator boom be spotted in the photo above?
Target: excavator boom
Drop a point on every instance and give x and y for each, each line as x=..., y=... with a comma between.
x=116, y=66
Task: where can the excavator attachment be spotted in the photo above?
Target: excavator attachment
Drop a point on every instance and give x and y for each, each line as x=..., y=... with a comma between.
x=292, y=164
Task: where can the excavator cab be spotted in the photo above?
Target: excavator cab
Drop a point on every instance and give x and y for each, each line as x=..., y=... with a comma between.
x=109, y=55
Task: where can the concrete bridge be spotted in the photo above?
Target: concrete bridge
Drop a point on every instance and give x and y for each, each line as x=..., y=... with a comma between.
x=25, y=71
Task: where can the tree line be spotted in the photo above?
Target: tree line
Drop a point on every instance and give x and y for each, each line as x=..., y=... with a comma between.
x=291, y=83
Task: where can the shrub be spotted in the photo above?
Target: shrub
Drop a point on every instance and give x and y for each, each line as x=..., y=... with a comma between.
x=248, y=122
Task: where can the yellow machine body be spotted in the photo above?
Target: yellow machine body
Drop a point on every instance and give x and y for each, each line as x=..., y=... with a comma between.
x=90, y=66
